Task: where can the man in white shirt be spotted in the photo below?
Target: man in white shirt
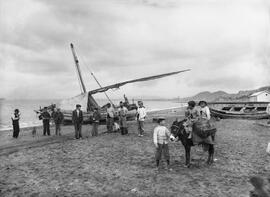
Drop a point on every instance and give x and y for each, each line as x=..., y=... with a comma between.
x=141, y=115
x=122, y=111
x=161, y=138
x=110, y=117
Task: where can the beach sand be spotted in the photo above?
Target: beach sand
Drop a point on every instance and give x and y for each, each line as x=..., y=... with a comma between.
x=115, y=165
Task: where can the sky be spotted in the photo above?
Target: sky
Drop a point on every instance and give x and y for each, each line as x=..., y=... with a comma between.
x=225, y=43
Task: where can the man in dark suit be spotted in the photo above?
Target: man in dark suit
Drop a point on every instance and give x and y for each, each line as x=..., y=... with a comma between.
x=77, y=119
x=45, y=115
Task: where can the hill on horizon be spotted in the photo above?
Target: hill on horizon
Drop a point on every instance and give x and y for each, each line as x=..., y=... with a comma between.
x=242, y=95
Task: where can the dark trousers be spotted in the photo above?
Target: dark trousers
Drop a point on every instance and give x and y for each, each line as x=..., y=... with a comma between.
x=78, y=130
x=140, y=127
x=123, y=125
x=110, y=125
x=162, y=149
x=57, y=128
x=46, y=127
x=95, y=129
x=124, y=130
x=16, y=129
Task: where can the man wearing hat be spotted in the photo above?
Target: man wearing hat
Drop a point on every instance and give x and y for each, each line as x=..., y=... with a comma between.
x=45, y=116
x=77, y=119
x=15, y=122
x=58, y=118
x=123, y=118
x=96, y=118
x=110, y=117
x=161, y=138
x=141, y=115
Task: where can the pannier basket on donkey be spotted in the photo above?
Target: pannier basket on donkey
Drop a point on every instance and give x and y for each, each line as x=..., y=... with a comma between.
x=203, y=134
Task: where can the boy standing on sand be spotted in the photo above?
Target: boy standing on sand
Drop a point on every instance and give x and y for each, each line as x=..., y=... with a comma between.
x=95, y=123
x=161, y=138
x=141, y=114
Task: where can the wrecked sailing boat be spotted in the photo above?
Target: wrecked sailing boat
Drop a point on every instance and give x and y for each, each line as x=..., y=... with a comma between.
x=88, y=103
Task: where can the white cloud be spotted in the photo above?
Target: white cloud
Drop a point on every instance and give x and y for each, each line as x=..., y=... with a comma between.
x=222, y=41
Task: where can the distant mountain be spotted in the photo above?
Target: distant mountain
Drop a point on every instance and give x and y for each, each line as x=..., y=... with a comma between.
x=242, y=95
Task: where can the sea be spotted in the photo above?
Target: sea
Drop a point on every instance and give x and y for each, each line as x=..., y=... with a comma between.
x=29, y=117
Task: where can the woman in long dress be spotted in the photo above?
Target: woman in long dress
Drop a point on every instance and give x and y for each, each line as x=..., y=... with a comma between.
x=15, y=122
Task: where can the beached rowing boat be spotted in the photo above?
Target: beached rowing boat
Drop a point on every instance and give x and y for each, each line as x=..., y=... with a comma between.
x=239, y=110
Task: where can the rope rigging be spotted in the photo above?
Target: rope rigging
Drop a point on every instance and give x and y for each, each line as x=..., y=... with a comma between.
x=91, y=72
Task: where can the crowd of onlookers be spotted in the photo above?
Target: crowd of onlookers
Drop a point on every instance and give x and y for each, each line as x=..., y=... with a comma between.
x=116, y=119
x=112, y=113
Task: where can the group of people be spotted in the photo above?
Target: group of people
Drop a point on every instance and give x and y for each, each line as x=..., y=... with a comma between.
x=77, y=119
x=122, y=115
x=46, y=117
x=161, y=135
x=111, y=123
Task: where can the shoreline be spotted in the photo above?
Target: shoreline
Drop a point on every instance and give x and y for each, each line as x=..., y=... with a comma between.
x=150, y=112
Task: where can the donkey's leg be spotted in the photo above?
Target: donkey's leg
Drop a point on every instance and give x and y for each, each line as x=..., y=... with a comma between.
x=211, y=150
x=212, y=153
x=187, y=150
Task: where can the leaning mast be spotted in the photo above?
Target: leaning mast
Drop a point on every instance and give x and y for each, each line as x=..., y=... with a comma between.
x=78, y=68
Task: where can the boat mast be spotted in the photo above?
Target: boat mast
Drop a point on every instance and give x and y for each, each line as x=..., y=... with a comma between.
x=78, y=68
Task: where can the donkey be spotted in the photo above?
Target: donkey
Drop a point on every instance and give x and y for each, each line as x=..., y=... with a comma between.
x=178, y=132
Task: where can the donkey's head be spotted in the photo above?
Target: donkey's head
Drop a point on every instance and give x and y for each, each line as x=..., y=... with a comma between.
x=178, y=129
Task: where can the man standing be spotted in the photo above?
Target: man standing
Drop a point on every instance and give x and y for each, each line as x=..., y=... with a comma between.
x=161, y=138
x=15, y=122
x=268, y=112
x=123, y=118
x=110, y=117
x=45, y=116
x=95, y=123
x=141, y=114
x=77, y=119
x=58, y=119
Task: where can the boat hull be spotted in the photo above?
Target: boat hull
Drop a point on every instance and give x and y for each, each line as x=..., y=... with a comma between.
x=233, y=115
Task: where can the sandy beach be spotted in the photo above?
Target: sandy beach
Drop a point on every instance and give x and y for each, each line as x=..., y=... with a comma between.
x=115, y=165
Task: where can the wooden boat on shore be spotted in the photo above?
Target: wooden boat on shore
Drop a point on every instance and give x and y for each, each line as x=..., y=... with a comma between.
x=239, y=110
x=88, y=103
